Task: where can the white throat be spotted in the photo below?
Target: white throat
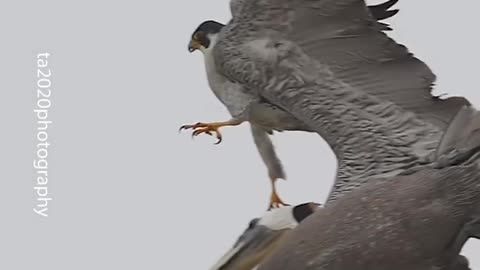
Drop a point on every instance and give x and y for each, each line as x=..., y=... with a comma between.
x=229, y=93
x=215, y=81
x=213, y=40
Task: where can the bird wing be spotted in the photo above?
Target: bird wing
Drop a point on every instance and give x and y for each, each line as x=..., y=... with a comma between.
x=382, y=11
x=329, y=64
x=260, y=135
x=344, y=36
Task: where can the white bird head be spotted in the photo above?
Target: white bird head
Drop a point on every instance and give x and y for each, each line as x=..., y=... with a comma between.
x=262, y=237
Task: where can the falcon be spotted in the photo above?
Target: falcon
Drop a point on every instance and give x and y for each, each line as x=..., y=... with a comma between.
x=330, y=65
x=263, y=116
x=400, y=150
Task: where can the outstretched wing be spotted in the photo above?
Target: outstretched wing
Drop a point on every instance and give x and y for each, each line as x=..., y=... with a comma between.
x=328, y=63
x=380, y=11
x=344, y=36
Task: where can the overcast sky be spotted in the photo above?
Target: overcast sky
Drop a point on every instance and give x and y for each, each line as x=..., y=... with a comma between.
x=128, y=191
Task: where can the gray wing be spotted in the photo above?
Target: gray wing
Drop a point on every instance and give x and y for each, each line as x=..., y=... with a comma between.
x=235, y=7
x=328, y=63
x=267, y=152
x=344, y=36
x=380, y=11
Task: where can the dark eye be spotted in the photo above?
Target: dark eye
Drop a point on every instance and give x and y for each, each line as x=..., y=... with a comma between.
x=253, y=223
x=198, y=36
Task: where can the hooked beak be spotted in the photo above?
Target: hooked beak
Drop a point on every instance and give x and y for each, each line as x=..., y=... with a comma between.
x=193, y=45
x=251, y=249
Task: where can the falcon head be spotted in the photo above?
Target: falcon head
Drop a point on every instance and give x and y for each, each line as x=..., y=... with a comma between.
x=203, y=38
x=263, y=236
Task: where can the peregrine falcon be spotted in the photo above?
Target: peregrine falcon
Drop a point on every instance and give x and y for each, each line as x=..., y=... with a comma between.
x=329, y=64
x=264, y=117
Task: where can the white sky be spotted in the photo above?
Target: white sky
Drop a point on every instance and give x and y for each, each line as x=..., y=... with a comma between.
x=129, y=191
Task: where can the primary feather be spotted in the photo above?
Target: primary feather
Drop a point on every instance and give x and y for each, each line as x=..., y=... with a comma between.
x=371, y=100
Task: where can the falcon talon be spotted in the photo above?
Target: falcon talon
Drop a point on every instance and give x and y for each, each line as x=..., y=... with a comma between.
x=184, y=127
x=275, y=201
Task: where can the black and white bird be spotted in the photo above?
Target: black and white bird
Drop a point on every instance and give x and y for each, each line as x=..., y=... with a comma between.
x=262, y=237
x=264, y=117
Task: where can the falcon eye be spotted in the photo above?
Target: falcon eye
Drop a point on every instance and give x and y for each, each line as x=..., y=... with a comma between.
x=198, y=36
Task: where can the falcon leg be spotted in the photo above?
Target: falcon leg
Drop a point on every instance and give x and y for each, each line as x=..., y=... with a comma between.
x=211, y=128
x=275, y=201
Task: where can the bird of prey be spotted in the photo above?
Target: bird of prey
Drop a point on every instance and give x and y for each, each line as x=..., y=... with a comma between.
x=262, y=236
x=264, y=117
x=327, y=63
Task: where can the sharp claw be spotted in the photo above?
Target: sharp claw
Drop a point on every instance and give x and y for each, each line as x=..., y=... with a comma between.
x=219, y=137
x=276, y=202
x=271, y=206
x=185, y=127
x=197, y=132
x=200, y=128
x=194, y=126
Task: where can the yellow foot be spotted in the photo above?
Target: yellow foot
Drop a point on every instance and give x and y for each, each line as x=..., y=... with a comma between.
x=275, y=201
x=206, y=128
x=210, y=128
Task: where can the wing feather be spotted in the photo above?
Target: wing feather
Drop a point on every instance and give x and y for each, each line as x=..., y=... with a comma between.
x=343, y=35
